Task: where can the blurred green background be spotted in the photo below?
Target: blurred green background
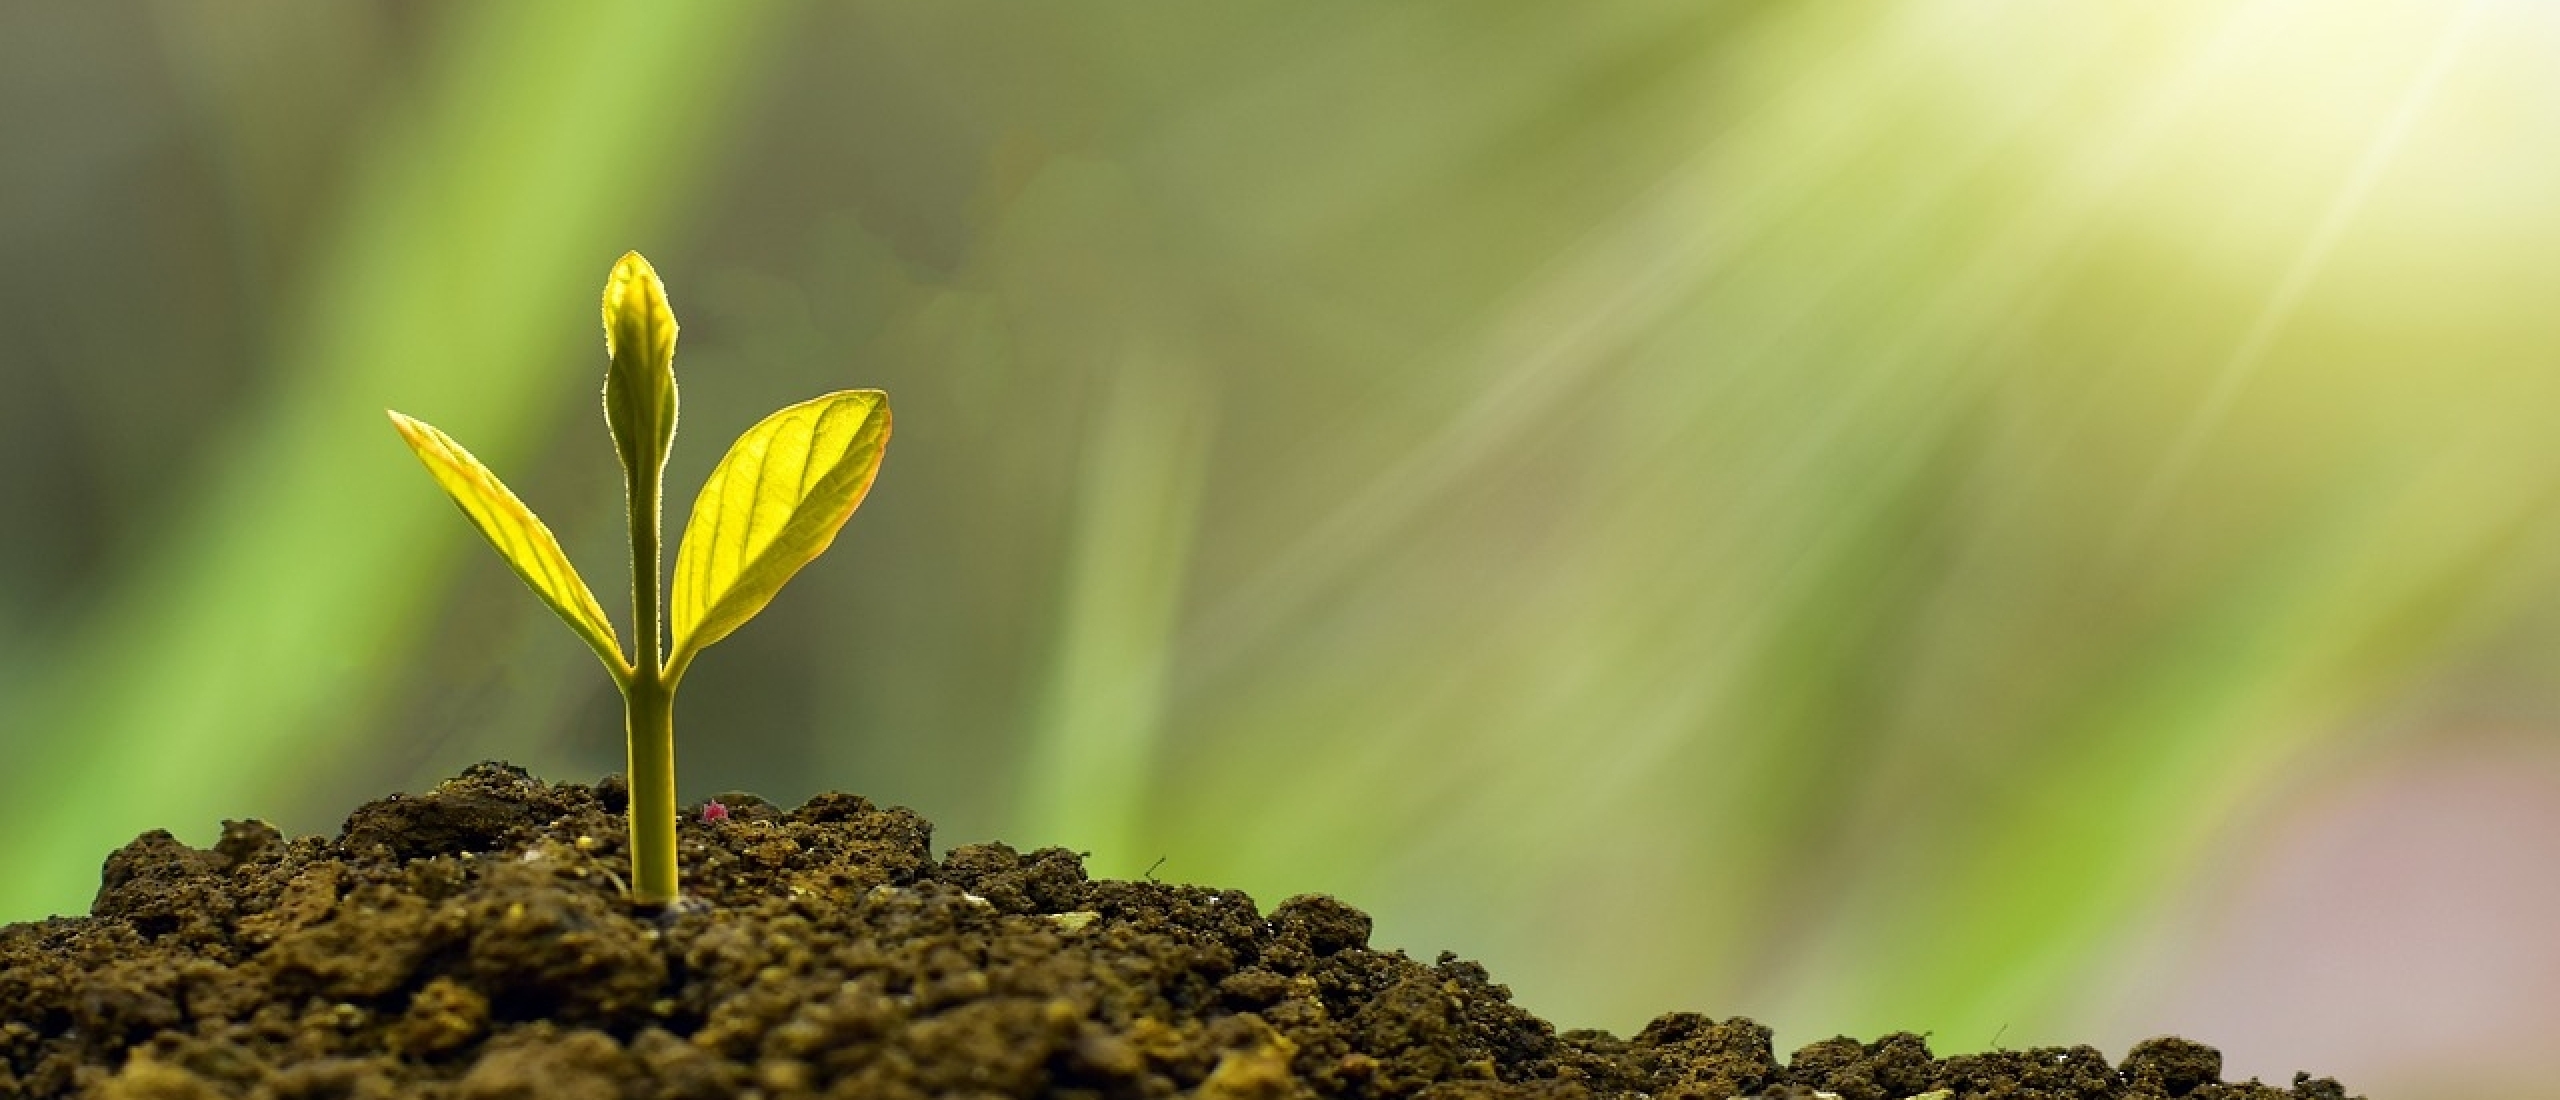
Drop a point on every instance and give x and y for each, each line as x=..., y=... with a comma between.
x=2027, y=522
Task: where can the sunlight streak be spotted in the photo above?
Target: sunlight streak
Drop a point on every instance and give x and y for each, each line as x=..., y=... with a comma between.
x=2178, y=461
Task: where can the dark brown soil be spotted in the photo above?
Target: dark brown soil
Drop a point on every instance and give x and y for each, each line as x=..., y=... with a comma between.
x=473, y=943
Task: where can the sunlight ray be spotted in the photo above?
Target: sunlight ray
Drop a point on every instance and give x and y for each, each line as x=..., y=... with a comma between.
x=2236, y=369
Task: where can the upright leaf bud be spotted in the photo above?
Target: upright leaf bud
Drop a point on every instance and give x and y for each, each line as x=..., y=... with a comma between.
x=640, y=385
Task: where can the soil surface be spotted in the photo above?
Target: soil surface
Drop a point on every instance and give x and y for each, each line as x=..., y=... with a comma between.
x=474, y=943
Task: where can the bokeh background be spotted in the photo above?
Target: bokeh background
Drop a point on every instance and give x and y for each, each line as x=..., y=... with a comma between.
x=2027, y=522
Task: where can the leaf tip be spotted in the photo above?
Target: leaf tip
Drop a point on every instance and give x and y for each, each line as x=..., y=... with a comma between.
x=635, y=298
x=633, y=265
x=631, y=276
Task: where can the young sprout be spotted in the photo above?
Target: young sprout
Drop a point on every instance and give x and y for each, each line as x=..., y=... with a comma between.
x=771, y=506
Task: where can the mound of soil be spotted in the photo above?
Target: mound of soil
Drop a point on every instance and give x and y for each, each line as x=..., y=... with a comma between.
x=474, y=943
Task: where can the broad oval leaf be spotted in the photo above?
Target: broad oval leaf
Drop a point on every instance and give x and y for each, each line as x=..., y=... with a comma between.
x=519, y=536
x=773, y=504
x=640, y=381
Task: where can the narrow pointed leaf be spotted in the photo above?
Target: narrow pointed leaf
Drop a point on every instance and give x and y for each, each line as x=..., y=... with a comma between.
x=772, y=505
x=640, y=383
x=519, y=536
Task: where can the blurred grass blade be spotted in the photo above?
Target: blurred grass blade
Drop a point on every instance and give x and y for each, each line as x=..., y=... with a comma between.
x=773, y=505
x=1090, y=768
x=640, y=386
x=518, y=535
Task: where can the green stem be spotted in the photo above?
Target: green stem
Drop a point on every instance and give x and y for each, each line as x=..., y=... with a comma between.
x=650, y=727
x=649, y=702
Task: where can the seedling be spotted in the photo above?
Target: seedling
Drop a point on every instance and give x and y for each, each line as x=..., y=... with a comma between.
x=772, y=505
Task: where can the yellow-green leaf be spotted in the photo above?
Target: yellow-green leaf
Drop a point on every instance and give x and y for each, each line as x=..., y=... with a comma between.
x=519, y=536
x=640, y=383
x=772, y=505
